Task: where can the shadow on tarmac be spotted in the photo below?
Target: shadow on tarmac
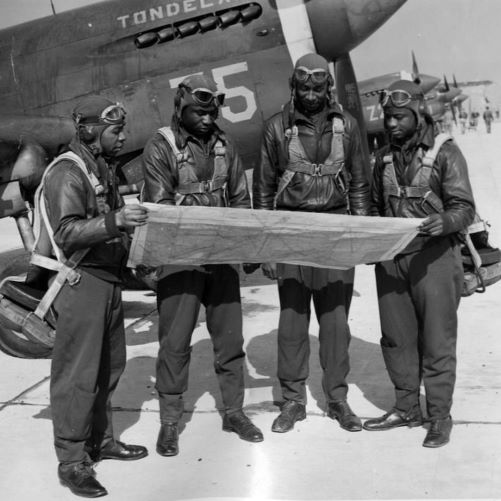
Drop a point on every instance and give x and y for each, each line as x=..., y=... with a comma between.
x=137, y=383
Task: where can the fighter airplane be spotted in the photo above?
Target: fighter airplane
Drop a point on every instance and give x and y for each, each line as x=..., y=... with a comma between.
x=136, y=52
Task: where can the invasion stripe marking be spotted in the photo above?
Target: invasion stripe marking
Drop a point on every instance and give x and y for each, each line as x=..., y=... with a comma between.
x=296, y=28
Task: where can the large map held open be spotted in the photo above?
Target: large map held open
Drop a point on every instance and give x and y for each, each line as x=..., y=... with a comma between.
x=209, y=235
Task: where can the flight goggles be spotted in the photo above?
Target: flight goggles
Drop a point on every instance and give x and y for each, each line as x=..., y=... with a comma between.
x=318, y=75
x=111, y=115
x=205, y=97
x=399, y=98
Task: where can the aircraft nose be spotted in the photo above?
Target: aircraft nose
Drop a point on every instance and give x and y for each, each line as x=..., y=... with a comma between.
x=428, y=82
x=337, y=31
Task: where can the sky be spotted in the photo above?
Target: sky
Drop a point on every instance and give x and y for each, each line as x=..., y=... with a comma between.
x=451, y=37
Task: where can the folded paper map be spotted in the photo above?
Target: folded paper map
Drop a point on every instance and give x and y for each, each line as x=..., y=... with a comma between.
x=210, y=235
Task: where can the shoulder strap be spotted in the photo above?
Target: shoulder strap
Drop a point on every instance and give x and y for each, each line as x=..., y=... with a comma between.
x=431, y=154
x=337, y=148
x=220, y=167
x=41, y=215
x=66, y=270
x=389, y=167
x=168, y=134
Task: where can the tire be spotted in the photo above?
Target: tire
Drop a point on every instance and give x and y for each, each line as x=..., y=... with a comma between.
x=14, y=343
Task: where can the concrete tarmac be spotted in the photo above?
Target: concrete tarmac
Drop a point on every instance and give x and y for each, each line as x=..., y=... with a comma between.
x=317, y=460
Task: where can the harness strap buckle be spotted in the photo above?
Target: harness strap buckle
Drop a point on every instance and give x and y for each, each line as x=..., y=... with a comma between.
x=317, y=169
x=219, y=151
x=73, y=278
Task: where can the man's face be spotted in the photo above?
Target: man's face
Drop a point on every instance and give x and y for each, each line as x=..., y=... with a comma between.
x=199, y=120
x=311, y=97
x=401, y=123
x=112, y=140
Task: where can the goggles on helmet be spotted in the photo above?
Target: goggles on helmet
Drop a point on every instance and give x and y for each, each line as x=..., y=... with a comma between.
x=205, y=97
x=111, y=115
x=318, y=75
x=399, y=98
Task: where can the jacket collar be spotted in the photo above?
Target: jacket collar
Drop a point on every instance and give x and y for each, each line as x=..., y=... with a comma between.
x=96, y=165
x=183, y=137
x=424, y=136
x=332, y=110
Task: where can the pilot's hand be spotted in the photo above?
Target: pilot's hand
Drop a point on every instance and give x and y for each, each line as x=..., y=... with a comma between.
x=144, y=270
x=432, y=225
x=131, y=215
x=270, y=270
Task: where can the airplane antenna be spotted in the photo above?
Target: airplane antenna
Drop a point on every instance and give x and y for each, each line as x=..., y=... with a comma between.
x=53, y=8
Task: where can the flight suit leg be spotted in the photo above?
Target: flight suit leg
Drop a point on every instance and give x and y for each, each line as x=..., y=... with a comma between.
x=400, y=331
x=224, y=322
x=113, y=360
x=436, y=295
x=293, y=336
x=332, y=293
x=178, y=300
x=76, y=364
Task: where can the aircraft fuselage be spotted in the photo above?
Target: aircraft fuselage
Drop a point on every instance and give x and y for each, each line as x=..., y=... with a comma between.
x=137, y=51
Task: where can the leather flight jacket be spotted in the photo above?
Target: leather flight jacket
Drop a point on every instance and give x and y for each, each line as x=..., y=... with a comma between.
x=444, y=189
x=324, y=183
x=191, y=177
x=83, y=216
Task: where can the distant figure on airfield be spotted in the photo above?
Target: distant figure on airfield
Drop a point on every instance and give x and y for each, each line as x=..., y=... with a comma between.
x=447, y=120
x=474, y=120
x=463, y=120
x=488, y=119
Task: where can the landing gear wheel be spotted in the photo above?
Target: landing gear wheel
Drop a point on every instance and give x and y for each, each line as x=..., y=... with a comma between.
x=12, y=342
x=16, y=345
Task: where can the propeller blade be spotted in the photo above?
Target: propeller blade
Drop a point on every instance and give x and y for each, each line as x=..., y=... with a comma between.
x=415, y=70
x=446, y=84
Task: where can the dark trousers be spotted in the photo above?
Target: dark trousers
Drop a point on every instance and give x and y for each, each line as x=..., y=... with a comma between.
x=331, y=291
x=179, y=297
x=87, y=361
x=418, y=296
